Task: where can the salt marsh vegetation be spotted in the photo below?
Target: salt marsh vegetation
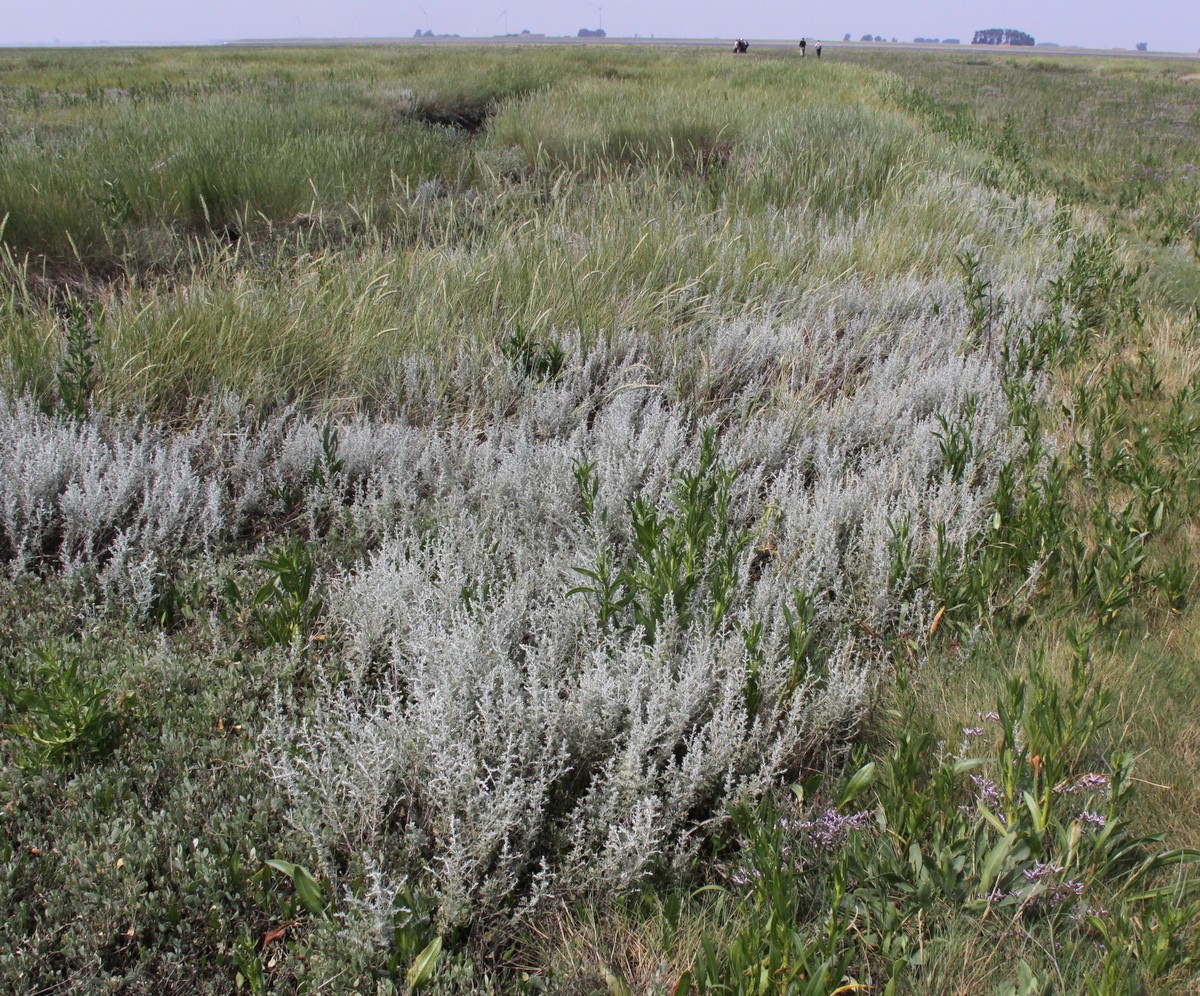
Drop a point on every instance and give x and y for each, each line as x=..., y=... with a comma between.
x=592, y=520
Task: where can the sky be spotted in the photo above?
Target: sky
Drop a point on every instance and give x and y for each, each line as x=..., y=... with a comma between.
x=1165, y=25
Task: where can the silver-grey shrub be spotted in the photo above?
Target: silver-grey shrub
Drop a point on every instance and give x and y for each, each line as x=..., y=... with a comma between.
x=478, y=729
x=531, y=749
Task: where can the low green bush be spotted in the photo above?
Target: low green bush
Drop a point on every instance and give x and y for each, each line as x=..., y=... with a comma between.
x=1019, y=838
x=60, y=715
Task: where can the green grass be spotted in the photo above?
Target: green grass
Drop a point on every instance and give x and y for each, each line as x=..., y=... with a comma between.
x=356, y=230
x=1114, y=136
x=576, y=211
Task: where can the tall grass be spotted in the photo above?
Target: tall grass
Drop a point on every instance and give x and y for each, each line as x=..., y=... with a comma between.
x=1114, y=135
x=452, y=494
x=133, y=176
x=577, y=213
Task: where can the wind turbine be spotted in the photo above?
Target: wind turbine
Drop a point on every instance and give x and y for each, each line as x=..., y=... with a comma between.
x=504, y=14
x=425, y=14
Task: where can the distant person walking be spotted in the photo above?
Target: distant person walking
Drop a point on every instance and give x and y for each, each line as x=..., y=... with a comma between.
x=803, y=46
x=817, y=46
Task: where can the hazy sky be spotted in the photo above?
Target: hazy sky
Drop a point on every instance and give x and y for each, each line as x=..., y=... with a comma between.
x=1166, y=25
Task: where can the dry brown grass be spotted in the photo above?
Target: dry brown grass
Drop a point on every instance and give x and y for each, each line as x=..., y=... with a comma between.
x=597, y=948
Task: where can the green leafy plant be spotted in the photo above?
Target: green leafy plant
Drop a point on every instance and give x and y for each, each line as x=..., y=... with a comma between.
x=1174, y=580
x=332, y=464
x=115, y=202
x=800, y=617
x=288, y=603
x=537, y=359
x=1027, y=838
x=77, y=372
x=61, y=716
x=956, y=442
x=674, y=556
x=309, y=892
x=781, y=946
x=981, y=307
x=424, y=965
x=1110, y=574
x=1150, y=937
x=587, y=487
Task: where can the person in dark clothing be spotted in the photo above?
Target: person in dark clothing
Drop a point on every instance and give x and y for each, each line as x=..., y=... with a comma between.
x=741, y=45
x=803, y=45
x=817, y=47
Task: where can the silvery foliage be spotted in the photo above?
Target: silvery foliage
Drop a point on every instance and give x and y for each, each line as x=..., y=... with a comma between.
x=483, y=722
x=479, y=727
x=124, y=497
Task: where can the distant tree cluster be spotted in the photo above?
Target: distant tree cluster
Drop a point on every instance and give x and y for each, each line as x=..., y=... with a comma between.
x=592, y=33
x=936, y=41
x=1002, y=36
x=1143, y=46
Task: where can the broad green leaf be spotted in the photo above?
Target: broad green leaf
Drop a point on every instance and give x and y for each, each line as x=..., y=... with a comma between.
x=423, y=965
x=279, y=864
x=992, y=818
x=1035, y=813
x=859, y=782
x=308, y=889
x=804, y=790
x=1179, y=856
x=994, y=862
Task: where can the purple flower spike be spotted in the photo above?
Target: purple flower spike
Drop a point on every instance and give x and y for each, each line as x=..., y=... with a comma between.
x=1090, y=782
x=831, y=828
x=1040, y=871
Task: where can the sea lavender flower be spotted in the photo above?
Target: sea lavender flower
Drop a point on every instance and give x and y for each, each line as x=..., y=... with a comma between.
x=1091, y=782
x=1090, y=820
x=743, y=876
x=1047, y=892
x=1058, y=893
x=1040, y=870
x=986, y=793
x=831, y=828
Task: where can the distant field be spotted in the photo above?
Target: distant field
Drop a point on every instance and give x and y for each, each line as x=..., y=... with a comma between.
x=575, y=518
x=831, y=45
